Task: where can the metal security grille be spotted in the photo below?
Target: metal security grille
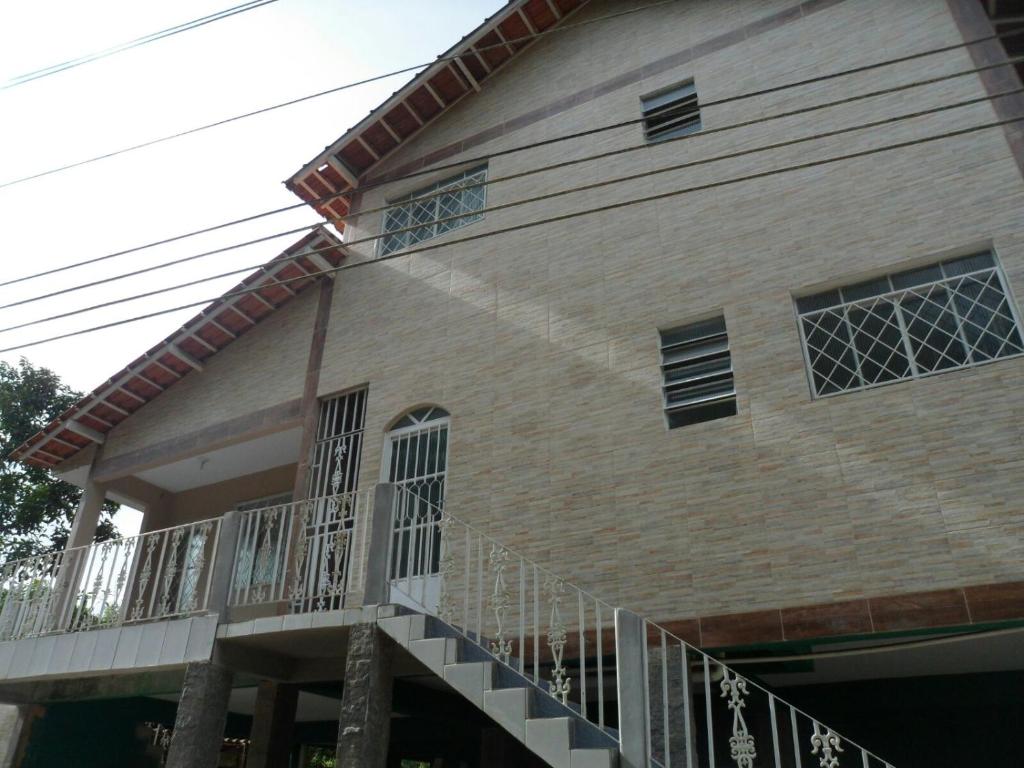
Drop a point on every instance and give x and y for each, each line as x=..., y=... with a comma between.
x=328, y=516
x=416, y=461
x=696, y=368
x=671, y=113
x=951, y=315
x=423, y=215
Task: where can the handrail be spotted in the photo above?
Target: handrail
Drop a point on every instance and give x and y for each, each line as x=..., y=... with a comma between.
x=154, y=575
x=311, y=553
x=492, y=595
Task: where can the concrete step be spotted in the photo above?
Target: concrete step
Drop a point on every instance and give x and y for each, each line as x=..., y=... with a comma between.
x=593, y=758
x=436, y=653
x=550, y=738
x=509, y=708
x=550, y=730
x=471, y=679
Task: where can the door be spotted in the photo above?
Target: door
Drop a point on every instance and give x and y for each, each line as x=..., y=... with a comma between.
x=416, y=462
x=329, y=513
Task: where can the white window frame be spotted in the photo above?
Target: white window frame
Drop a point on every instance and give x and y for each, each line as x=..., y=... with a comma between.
x=895, y=294
x=469, y=177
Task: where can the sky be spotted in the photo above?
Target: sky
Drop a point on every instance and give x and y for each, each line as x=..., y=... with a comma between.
x=274, y=53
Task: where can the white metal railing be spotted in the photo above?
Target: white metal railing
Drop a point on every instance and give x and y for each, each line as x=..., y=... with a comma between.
x=529, y=618
x=699, y=713
x=311, y=553
x=703, y=713
x=156, y=575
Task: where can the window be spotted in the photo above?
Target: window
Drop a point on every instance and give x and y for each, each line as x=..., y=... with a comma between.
x=446, y=199
x=946, y=316
x=697, y=371
x=671, y=113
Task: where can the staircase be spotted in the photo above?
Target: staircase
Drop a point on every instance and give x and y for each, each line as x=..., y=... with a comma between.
x=579, y=682
x=551, y=730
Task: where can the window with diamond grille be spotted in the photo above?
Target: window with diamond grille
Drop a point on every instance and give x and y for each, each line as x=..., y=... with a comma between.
x=422, y=219
x=946, y=316
x=696, y=368
x=671, y=113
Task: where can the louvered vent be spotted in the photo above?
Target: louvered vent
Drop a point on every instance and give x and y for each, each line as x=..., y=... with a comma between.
x=671, y=113
x=697, y=371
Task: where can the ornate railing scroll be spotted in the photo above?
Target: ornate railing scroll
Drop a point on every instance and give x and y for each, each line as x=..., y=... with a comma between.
x=556, y=635
x=704, y=713
x=157, y=575
x=310, y=553
x=700, y=713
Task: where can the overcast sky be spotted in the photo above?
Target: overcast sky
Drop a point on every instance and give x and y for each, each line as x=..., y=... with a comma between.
x=274, y=53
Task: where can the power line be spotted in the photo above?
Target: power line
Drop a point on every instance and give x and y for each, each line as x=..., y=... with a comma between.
x=488, y=182
x=170, y=31
x=375, y=78
x=456, y=217
x=309, y=97
x=532, y=224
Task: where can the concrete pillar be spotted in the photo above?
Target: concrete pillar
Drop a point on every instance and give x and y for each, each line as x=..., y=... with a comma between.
x=272, y=725
x=377, y=587
x=83, y=527
x=202, y=714
x=364, y=727
x=631, y=685
x=14, y=731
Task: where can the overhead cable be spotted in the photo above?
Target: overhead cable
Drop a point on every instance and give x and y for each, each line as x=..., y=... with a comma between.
x=488, y=182
x=375, y=78
x=534, y=223
x=170, y=31
x=317, y=95
x=491, y=209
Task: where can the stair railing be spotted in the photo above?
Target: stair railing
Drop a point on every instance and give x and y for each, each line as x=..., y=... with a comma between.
x=529, y=618
x=667, y=702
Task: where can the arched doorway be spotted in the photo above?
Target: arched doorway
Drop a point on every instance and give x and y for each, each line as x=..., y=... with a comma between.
x=416, y=462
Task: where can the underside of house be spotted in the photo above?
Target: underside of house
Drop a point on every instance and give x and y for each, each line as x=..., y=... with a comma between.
x=636, y=465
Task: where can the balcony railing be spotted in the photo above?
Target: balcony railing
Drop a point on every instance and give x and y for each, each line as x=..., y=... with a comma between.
x=157, y=575
x=311, y=554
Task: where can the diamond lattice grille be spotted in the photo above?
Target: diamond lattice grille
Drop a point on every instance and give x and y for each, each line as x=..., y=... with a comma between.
x=912, y=327
x=417, y=219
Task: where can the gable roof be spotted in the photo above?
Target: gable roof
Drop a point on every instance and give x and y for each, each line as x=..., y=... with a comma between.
x=185, y=350
x=458, y=72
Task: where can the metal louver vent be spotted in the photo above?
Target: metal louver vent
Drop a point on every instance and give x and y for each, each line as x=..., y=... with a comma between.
x=697, y=373
x=671, y=113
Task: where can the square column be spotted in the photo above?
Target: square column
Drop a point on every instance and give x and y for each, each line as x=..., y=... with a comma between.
x=202, y=715
x=364, y=727
x=272, y=725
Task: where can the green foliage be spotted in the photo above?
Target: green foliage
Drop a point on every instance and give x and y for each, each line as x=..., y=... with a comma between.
x=36, y=509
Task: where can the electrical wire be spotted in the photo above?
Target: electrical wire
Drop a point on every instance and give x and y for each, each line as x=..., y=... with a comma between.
x=139, y=41
x=482, y=211
x=375, y=78
x=319, y=94
x=488, y=182
x=532, y=224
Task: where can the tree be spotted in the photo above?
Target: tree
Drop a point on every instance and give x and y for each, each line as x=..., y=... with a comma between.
x=36, y=509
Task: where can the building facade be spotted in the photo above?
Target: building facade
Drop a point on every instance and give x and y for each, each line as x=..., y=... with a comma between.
x=702, y=309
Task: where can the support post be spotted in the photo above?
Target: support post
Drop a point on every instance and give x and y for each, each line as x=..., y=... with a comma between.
x=202, y=714
x=364, y=727
x=377, y=587
x=87, y=517
x=224, y=565
x=272, y=725
x=631, y=686
x=15, y=721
